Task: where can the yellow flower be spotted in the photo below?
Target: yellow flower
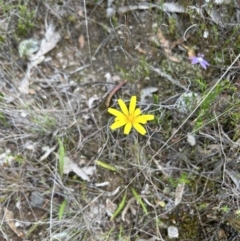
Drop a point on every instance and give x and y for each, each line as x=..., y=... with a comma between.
x=129, y=117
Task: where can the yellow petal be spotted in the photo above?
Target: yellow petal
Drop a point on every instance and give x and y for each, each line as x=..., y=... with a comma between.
x=117, y=125
x=127, y=128
x=139, y=128
x=132, y=105
x=137, y=112
x=123, y=107
x=142, y=119
x=123, y=118
x=116, y=113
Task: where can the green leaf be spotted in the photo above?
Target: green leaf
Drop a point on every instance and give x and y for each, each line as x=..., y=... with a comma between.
x=120, y=207
x=106, y=166
x=61, y=209
x=139, y=200
x=61, y=153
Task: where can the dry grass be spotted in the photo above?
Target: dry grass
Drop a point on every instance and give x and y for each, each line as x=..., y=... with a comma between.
x=193, y=187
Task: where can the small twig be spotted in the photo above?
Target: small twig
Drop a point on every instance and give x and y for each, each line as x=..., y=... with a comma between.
x=185, y=36
x=115, y=89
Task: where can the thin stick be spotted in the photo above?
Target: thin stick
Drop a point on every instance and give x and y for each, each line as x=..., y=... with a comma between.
x=115, y=89
x=86, y=20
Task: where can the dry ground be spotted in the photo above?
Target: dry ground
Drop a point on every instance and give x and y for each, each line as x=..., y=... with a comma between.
x=64, y=174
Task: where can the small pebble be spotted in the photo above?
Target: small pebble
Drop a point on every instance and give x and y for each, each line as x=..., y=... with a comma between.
x=173, y=232
x=36, y=199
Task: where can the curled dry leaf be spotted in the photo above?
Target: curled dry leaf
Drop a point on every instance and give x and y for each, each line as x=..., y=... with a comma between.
x=24, y=85
x=82, y=172
x=179, y=193
x=114, y=192
x=49, y=42
x=140, y=50
x=48, y=151
x=51, y=39
x=127, y=207
x=173, y=58
x=215, y=16
x=81, y=41
x=173, y=8
x=9, y=219
x=147, y=93
x=167, y=47
x=110, y=207
x=234, y=177
x=164, y=42
x=91, y=101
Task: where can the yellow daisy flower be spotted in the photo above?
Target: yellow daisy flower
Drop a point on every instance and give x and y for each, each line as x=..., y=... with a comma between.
x=129, y=117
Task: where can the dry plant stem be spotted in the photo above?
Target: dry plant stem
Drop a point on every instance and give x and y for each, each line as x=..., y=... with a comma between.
x=222, y=149
x=51, y=211
x=86, y=20
x=115, y=89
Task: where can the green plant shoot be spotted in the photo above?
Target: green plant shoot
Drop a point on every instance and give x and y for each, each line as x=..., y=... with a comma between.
x=120, y=207
x=61, y=156
x=61, y=209
x=139, y=200
x=106, y=166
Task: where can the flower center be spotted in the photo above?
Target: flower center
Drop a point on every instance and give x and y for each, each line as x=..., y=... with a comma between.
x=131, y=118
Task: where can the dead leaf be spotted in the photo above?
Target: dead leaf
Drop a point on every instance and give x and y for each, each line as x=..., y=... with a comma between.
x=47, y=44
x=179, y=193
x=51, y=39
x=31, y=91
x=173, y=8
x=47, y=151
x=110, y=207
x=173, y=58
x=147, y=94
x=24, y=86
x=9, y=219
x=91, y=101
x=164, y=42
x=81, y=13
x=140, y=50
x=81, y=41
x=82, y=172
x=215, y=16
x=167, y=47
x=127, y=207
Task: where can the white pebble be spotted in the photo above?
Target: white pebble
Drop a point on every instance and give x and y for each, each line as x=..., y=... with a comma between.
x=173, y=232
